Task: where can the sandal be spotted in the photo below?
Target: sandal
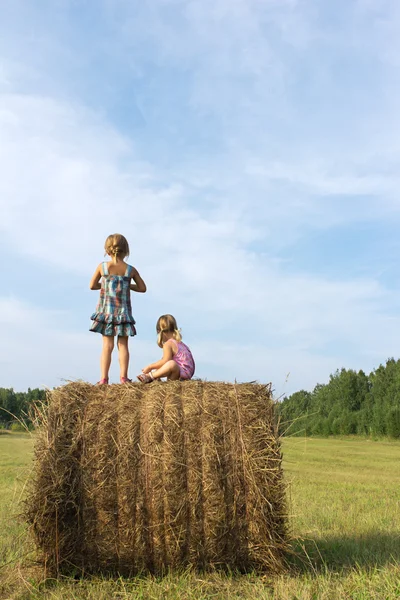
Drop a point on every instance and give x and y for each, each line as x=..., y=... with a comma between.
x=103, y=381
x=125, y=380
x=145, y=377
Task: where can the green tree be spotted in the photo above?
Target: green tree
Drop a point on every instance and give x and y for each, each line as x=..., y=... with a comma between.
x=393, y=423
x=16, y=406
x=293, y=412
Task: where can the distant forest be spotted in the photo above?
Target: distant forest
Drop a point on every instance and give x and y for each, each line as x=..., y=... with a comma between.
x=16, y=406
x=350, y=403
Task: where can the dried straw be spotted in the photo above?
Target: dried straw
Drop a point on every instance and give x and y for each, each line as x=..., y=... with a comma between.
x=133, y=478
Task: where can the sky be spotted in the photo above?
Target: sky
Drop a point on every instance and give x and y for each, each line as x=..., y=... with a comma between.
x=248, y=150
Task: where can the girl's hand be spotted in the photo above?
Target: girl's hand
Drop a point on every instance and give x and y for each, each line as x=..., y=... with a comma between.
x=168, y=354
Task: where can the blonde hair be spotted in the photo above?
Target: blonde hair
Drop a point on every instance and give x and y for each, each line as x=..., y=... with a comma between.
x=167, y=324
x=116, y=246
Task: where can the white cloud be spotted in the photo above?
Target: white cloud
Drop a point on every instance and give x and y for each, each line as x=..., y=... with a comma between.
x=206, y=221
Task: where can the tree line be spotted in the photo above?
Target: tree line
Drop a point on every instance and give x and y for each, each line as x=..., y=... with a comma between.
x=350, y=403
x=16, y=406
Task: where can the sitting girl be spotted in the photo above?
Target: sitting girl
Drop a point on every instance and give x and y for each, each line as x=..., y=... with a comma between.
x=177, y=361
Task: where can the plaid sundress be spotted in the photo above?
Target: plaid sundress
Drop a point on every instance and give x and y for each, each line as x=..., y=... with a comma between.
x=113, y=314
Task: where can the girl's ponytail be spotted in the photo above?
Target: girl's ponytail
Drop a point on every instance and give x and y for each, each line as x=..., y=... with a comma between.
x=177, y=335
x=160, y=342
x=115, y=250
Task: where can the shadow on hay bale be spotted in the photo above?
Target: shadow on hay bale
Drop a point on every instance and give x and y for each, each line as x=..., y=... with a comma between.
x=136, y=478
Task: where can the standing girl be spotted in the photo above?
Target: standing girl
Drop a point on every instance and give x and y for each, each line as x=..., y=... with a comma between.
x=177, y=361
x=113, y=316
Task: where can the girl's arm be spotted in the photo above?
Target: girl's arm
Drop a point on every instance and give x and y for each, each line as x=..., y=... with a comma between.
x=95, y=281
x=139, y=285
x=167, y=355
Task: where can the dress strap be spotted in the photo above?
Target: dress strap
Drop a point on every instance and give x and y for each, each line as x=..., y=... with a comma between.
x=172, y=340
x=128, y=271
x=104, y=268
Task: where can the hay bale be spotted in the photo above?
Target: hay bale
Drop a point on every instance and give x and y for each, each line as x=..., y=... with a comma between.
x=138, y=478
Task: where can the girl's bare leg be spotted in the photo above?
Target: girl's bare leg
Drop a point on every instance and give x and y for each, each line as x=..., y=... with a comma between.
x=105, y=359
x=170, y=370
x=123, y=355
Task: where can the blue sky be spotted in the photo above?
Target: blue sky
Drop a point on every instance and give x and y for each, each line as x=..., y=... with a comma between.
x=249, y=151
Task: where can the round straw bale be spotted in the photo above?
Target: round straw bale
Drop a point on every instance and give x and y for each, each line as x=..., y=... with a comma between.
x=133, y=478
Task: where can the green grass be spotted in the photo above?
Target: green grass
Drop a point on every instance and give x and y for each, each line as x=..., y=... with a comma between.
x=345, y=518
x=15, y=459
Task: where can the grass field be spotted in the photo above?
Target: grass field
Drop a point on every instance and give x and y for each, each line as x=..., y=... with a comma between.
x=345, y=517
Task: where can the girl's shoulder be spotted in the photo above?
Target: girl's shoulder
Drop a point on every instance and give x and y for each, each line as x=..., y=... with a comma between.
x=174, y=344
x=129, y=269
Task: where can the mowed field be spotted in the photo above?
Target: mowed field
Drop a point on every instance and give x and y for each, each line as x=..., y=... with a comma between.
x=344, y=502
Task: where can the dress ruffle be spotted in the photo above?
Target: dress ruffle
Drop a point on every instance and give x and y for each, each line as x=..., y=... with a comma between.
x=113, y=329
x=120, y=319
x=113, y=325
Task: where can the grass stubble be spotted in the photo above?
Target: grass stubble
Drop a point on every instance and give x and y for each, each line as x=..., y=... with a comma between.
x=345, y=520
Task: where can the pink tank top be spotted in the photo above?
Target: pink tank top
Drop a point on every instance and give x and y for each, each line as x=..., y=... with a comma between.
x=184, y=359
